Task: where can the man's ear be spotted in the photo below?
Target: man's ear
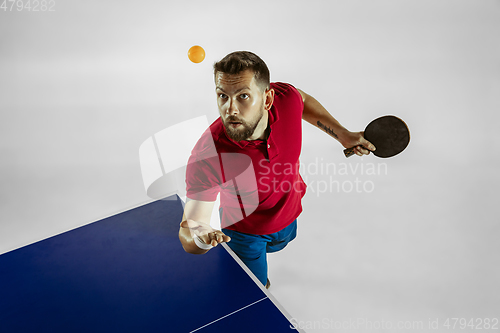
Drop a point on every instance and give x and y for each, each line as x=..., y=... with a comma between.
x=269, y=99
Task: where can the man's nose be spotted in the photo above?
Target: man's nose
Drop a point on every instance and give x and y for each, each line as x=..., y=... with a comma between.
x=232, y=109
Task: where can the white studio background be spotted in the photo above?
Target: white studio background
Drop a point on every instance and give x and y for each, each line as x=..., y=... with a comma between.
x=83, y=86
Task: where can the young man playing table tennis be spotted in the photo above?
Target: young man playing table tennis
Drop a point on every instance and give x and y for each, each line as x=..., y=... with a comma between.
x=250, y=154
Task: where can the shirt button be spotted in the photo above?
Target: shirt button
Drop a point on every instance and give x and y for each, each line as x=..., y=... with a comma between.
x=268, y=146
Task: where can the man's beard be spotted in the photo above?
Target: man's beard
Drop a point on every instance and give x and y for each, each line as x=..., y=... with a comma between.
x=245, y=130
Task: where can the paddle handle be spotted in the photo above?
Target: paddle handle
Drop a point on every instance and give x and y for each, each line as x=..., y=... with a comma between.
x=348, y=152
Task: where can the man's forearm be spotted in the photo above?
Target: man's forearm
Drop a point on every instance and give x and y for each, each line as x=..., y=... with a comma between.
x=315, y=114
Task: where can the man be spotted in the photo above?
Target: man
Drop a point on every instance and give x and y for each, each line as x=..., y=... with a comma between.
x=251, y=155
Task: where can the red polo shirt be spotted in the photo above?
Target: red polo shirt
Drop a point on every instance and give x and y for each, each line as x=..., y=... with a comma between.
x=259, y=181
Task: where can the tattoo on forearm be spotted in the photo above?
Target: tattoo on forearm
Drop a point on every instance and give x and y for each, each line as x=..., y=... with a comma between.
x=327, y=129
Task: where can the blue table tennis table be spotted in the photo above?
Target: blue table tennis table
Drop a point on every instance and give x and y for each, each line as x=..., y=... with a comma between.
x=129, y=273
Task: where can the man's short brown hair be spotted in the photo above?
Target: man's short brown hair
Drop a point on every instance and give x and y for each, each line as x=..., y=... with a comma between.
x=239, y=61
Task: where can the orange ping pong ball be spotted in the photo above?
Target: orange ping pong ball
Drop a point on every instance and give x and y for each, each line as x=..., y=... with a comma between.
x=196, y=54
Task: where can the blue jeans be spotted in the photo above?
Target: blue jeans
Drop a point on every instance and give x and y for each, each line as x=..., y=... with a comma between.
x=253, y=249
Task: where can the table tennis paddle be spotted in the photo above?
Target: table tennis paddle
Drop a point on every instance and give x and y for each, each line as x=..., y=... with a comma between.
x=389, y=135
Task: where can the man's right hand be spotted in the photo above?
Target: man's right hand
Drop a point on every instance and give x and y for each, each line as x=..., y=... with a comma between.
x=205, y=232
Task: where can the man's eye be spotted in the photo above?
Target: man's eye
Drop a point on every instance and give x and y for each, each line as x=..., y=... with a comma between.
x=223, y=96
x=244, y=96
